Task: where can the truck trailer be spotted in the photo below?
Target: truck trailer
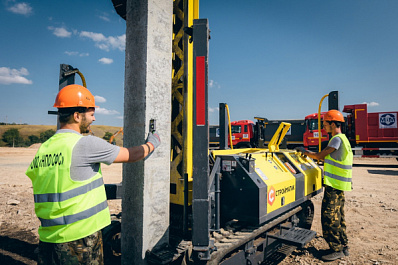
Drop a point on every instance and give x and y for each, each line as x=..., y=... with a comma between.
x=371, y=133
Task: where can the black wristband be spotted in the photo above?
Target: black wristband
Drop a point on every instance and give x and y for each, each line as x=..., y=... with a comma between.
x=149, y=147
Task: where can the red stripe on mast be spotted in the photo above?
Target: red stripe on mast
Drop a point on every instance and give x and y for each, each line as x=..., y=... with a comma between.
x=200, y=91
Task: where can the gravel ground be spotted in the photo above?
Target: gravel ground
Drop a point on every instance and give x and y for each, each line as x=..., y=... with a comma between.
x=371, y=212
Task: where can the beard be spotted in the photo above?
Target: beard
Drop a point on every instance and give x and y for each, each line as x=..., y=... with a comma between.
x=84, y=125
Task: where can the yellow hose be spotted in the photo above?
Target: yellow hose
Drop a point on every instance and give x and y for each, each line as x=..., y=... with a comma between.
x=76, y=71
x=229, y=128
x=83, y=79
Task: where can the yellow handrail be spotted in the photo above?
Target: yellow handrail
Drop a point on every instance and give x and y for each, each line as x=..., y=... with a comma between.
x=229, y=127
x=319, y=122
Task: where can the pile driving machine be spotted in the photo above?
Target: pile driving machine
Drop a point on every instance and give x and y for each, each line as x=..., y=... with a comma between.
x=226, y=206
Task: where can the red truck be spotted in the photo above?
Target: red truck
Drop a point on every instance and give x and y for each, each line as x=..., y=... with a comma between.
x=311, y=134
x=242, y=133
x=371, y=133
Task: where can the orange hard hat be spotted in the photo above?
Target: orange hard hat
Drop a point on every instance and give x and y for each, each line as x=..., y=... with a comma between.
x=333, y=115
x=74, y=96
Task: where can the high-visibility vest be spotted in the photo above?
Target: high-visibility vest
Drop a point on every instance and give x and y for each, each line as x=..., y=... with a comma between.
x=338, y=174
x=68, y=210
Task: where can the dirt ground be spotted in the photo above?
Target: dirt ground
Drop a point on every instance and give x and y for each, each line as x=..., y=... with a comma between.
x=371, y=212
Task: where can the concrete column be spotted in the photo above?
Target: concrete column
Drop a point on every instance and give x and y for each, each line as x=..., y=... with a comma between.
x=146, y=184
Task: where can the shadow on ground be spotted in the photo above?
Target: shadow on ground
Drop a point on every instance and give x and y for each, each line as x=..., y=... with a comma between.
x=17, y=246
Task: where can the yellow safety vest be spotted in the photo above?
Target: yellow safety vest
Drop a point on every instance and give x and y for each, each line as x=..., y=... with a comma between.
x=338, y=174
x=68, y=210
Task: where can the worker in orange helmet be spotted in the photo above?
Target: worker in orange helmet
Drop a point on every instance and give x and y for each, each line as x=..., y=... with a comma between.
x=68, y=187
x=338, y=159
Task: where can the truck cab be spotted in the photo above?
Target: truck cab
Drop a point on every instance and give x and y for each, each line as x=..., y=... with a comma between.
x=311, y=134
x=242, y=132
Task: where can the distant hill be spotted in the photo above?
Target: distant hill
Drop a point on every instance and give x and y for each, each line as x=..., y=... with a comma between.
x=27, y=130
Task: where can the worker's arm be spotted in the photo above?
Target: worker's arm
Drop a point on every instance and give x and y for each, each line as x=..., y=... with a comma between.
x=133, y=154
x=319, y=155
x=136, y=153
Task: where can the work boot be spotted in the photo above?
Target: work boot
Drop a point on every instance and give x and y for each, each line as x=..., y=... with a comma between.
x=333, y=256
x=345, y=250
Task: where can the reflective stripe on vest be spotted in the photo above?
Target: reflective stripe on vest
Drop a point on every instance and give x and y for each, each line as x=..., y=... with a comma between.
x=68, y=209
x=336, y=177
x=330, y=162
x=69, y=219
x=338, y=174
x=59, y=197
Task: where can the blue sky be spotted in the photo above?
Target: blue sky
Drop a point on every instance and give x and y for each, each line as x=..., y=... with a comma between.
x=270, y=58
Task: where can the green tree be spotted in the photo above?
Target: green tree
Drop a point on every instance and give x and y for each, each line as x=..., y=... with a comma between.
x=12, y=137
x=107, y=136
x=44, y=136
x=33, y=139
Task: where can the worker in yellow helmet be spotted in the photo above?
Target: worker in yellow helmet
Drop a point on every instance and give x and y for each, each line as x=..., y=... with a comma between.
x=68, y=187
x=337, y=179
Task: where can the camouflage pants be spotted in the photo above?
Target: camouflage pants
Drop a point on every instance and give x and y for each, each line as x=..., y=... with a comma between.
x=88, y=250
x=333, y=220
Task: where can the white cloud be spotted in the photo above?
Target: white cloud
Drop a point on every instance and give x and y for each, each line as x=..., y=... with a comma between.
x=371, y=104
x=99, y=99
x=106, y=60
x=71, y=53
x=214, y=84
x=104, y=17
x=60, y=32
x=77, y=53
x=106, y=43
x=97, y=37
x=21, y=8
x=102, y=46
x=214, y=109
x=14, y=76
x=118, y=42
x=104, y=111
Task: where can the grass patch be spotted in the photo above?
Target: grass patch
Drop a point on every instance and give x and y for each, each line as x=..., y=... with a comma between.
x=27, y=130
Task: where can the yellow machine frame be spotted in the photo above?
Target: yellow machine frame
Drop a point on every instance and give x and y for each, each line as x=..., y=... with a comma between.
x=280, y=180
x=184, y=12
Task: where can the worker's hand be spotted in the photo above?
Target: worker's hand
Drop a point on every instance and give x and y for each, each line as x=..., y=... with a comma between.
x=154, y=139
x=300, y=149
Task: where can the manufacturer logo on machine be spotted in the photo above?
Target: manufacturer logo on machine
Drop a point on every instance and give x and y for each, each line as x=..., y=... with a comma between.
x=387, y=120
x=284, y=190
x=271, y=195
